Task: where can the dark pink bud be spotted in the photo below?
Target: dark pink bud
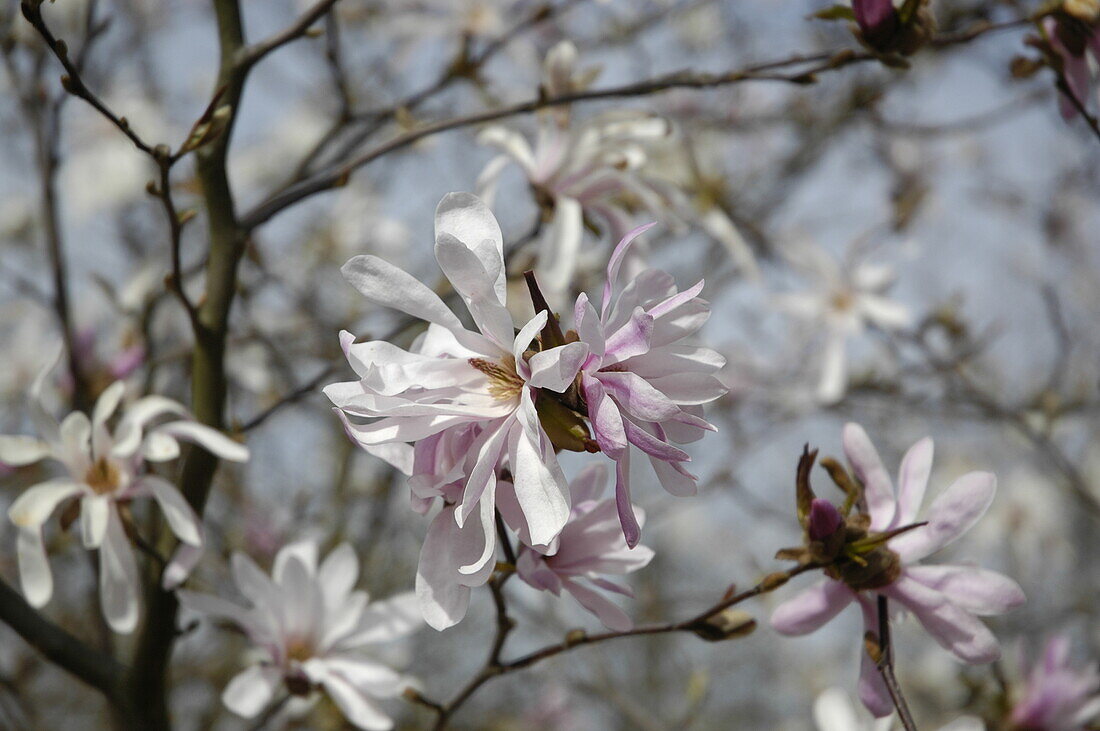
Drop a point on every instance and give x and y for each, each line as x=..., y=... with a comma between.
x=876, y=18
x=825, y=520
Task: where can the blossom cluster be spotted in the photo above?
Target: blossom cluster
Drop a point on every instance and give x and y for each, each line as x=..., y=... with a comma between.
x=476, y=417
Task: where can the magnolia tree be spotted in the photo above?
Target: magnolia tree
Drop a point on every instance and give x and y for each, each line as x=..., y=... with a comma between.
x=649, y=311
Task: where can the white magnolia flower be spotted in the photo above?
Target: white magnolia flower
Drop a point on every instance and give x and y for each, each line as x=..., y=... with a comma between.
x=457, y=377
x=844, y=300
x=312, y=630
x=594, y=170
x=106, y=470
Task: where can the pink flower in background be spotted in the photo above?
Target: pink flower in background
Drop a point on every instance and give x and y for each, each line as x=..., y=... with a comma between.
x=106, y=469
x=947, y=600
x=644, y=387
x=1074, y=40
x=590, y=546
x=312, y=630
x=1058, y=697
x=459, y=377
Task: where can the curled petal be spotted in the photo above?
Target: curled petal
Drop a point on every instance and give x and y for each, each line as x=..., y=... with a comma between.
x=868, y=468
x=118, y=577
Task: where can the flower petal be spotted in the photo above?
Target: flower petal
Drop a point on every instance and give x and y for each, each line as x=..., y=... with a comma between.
x=913, y=474
x=811, y=608
x=868, y=468
x=34, y=507
x=118, y=577
x=94, y=511
x=211, y=440
x=612, y=616
x=251, y=690
x=976, y=590
x=443, y=593
x=177, y=511
x=34, y=568
x=356, y=706
x=386, y=285
x=955, y=629
x=555, y=369
x=18, y=450
x=951, y=514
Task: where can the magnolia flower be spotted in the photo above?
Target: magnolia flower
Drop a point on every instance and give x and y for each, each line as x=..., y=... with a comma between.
x=643, y=386
x=834, y=711
x=946, y=600
x=594, y=169
x=311, y=630
x=488, y=377
x=1074, y=35
x=590, y=545
x=844, y=301
x=106, y=470
x=1058, y=697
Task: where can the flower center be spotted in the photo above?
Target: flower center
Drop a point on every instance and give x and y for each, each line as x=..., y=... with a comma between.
x=504, y=382
x=102, y=477
x=842, y=300
x=299, y=649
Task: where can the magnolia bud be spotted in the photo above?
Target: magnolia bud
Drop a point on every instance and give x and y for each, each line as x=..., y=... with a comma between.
x=825, y=520
x=877, y=20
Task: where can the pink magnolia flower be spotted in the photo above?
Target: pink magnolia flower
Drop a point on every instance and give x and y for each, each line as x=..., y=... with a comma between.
x=643, y=386
x=590, y=546
x=456, y=377
x=107, y=469
x=1074, y=40
x=311, y=631
x=947, y=600
x=1057, y=696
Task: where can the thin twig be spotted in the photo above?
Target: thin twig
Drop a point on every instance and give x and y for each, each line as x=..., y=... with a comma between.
x=298, y=29
x=885, y=664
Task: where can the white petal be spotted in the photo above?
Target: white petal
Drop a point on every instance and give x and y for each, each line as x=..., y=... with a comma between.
x=304, y=552
x=951, y=514
x=211, y=440
x=467, y=219
x=389, y=619
x=17, y=450
x=251, y=690
x=118, y=577
x=34, y=507
x=386, y=285
x=561, y=243
x=178, y=512
x=105, y=407
x=834, y=371
x=540, y=486
x=555, y=369
x=34, y=567
x=338, y=574
x=94, y=510
x=356, y=706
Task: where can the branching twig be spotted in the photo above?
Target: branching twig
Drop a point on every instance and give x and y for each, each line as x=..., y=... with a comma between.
x=299, y=28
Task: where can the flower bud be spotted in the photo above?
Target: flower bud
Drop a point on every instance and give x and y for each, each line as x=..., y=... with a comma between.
x=877, y=20
x=825, y=520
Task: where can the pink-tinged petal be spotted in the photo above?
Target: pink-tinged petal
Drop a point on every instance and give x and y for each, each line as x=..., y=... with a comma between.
x=632, y=532
x=653, y=446
x=532, y=568
x=178, y=512
x=629, y=340
x=483, y=474
x=615, y=262
x=955, y=629
x=612, y=617
x=356, y=706
x=811, y=608
x=675, y=478
x=251, y=690
x=689, y=389
x=871, y=687
x=34, y=507
x=467, y=219
x=17, y=450
x=34, y=568
x=118, y=577
x=589, y=484
x=396, y=429
x=976, y=590
x=913, y=474
x=442, y=592
x=589, y=330
x=680, y=323
x=486, y=523
x=868, y=468
x=675, y=359
x=637, y=397
x=951, y=514
x=670, y=304
x=607, y=422
x=386, y=285
x=477, y=288
x=555, y=369
x=94, y=511
x=396, y=455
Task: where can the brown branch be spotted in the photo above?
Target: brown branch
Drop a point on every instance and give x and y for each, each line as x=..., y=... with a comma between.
x=885, y=664
x=298, y=29
x=97, y=669
x=698, y=624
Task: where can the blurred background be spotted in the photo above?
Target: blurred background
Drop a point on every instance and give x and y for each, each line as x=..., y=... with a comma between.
x=953, y=189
